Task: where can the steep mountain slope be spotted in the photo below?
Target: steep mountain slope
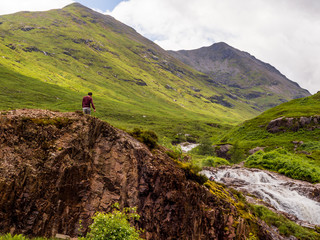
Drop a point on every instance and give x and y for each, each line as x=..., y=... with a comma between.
x=247, y=77
x=51, y=59
x=60, y=168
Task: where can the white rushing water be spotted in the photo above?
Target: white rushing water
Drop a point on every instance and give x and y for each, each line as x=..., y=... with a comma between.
x=186, y=146
x=278, y=191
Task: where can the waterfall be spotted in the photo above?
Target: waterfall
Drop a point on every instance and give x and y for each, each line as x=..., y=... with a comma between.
x=282, y=193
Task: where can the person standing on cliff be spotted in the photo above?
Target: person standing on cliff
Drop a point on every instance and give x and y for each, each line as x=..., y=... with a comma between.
x=87, y=102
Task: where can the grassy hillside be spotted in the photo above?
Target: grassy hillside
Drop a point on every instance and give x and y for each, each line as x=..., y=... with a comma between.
x=299, y=139
x=254, y=132
x=52, y=59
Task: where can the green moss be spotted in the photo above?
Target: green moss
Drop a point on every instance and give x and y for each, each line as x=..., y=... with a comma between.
x=58, y=122
x=192, y=172
x=147, y=137
x=285, y=226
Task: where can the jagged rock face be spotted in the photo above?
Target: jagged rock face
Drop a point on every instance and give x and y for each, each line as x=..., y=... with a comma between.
x=60, y=168
x=284, y=124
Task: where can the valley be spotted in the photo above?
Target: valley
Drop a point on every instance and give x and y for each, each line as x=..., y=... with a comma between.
x=166, y=121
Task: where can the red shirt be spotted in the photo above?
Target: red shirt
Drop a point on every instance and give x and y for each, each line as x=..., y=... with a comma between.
x=86, y=101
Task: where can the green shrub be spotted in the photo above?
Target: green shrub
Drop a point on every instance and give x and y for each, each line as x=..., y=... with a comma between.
x=147, y=137
x=214, y=162
x=15, y=237
x=114, y=225
x=19, y=237
x=310, y=146
x=150, y=138
x=236, y=153
x=286, y=163
x=205, y=147
x=174, y=151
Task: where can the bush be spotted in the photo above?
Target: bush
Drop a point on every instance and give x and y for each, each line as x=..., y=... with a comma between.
x=20, y=237
x=174, y=151
x=147, y=137
x=214, y=162
x=286, y=163
x=114, y=225
x=205, y=147
x=15, y=237
x=310, y=146
x=237, y=153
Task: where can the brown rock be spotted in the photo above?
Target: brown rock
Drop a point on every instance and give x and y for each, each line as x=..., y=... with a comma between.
x=59, y=168
x=223, y=151
x=284, y=124
x=256, y=149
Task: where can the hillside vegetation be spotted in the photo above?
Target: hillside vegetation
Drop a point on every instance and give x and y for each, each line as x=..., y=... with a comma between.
x=293, y=126
x=52, y=59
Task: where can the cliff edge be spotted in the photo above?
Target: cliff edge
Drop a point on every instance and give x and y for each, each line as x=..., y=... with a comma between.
x=59, y=168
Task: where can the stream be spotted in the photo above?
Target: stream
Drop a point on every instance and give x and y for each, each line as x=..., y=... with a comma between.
x=296, y=198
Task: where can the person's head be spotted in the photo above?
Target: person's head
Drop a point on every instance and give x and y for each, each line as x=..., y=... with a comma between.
x=90, y=94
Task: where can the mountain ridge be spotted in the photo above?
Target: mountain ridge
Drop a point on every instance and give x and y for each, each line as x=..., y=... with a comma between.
x=78, y=49
x=135, y=82
x=245, y=75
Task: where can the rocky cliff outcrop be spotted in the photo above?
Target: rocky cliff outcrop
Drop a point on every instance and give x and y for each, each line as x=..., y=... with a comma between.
x=59, y=168
x=284, y=124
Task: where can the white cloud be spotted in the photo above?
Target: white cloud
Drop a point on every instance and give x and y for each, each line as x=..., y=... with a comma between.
x=284, y=33
x=12, y=6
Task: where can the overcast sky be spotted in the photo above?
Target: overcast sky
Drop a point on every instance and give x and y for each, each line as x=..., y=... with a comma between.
x=284, y=33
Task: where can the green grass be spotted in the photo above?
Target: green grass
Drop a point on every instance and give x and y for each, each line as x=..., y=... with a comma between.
x=286, y=163
x=8, y=236
x=286, y=227
x=253, y=133
x=78, y=50
x=214, y=162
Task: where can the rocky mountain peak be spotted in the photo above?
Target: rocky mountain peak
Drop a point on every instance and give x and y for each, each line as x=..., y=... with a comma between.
x=244, y=75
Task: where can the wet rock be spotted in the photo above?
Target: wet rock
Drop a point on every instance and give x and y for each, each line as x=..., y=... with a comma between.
x=295, y=199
